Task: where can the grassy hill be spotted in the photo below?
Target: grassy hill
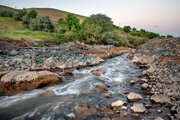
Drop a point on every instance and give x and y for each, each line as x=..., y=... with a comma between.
x=15, y=30
x=54, y=14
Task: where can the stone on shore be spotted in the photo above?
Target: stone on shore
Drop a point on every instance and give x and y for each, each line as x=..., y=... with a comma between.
x=134, y=97
x=138, y=108
x=118, y=103
x=144, y=86
x=162, y=99
x=28, y=80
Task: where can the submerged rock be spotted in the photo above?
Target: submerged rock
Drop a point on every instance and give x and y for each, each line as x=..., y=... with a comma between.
x=82, y=112
x=98, y=72
x=102, y=87
x=28, y=80
x=138, y=108
x=134, y=97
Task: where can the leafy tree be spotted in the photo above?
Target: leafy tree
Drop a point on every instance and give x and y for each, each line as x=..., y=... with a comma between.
x=134, y=29
x=6, y=13
x=32, y=14
x=72, y=23
x=98, y=29
x=41, y=23
x=169, y=36
x=127, y=29
x=19, y=14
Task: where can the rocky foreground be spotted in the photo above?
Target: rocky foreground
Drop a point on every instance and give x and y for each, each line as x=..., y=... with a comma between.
x=161, y=89
x=162, y=60
x=158, y=92
x=36, y=62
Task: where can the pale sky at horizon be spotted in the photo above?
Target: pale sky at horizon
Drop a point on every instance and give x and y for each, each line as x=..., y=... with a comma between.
x=160, y=16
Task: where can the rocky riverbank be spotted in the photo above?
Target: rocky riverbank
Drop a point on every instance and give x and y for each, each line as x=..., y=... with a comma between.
x=162, y=60
x=64, y=58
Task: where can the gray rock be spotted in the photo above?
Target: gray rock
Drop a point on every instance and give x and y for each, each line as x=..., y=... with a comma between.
x=134, y=97
x=138, y=108
x=13, y=53
x=158, y=118
x=144, y=86
x=118, y=103
x=162, y=99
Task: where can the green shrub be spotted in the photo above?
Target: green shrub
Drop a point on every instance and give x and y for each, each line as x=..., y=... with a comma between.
x=169, y=36
x=98, y=29
x=26, y=19
x=18, y=15
x=62, y=22
x=41, y=23
x=67, y=37
x=32, y=14
x=127, y=29
x=6, y=13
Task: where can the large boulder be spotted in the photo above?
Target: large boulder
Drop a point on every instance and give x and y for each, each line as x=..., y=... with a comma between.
x=134, y=97
x=138, y=108
x=28, y=80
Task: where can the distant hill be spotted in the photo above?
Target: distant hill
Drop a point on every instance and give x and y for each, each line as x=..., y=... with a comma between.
x=54, y=14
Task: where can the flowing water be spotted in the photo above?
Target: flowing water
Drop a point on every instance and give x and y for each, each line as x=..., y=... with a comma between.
x=60, y=104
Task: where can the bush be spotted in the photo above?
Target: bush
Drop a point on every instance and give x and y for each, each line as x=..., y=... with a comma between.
x=98, y=29
x=67, y=37
x=6, y=13
x=41, y=23
x=62, y=22
x=19, y=15
x=127, y=29
x=26, y=19
x=32, y=14
x=169, y=36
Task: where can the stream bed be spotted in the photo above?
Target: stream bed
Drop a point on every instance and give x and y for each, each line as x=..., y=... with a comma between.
x=59, y=102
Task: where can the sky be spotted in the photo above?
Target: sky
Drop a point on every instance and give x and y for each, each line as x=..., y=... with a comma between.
x=160, y=16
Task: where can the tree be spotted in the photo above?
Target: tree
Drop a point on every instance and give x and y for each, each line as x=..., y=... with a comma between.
x=41, y=23
x=98, y=29
x=127, y=29
x=6, y=13
x=28, y=16
x=134, y=29
x=169, y=36
x=32, y=14
x=19, y=14
x=72, y=23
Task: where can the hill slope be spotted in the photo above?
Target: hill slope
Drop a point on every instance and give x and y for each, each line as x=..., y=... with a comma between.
x=54, y=14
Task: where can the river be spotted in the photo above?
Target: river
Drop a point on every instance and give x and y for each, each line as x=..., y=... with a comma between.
x=61, y=103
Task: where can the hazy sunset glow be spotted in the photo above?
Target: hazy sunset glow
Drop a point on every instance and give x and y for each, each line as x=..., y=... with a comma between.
x=161, y=16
